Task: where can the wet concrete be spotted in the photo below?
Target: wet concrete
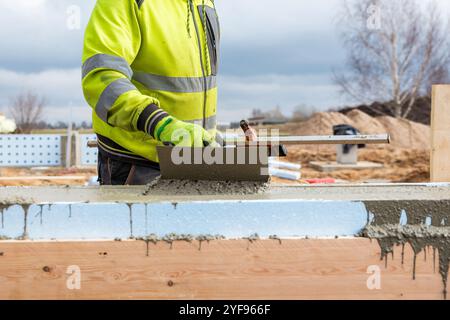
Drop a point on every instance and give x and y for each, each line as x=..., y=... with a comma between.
x=417, y=211
x=196, y=187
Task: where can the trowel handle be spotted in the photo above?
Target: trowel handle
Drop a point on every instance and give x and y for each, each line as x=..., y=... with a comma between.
x=251, y=136
x=250, y=133
x=280, y=152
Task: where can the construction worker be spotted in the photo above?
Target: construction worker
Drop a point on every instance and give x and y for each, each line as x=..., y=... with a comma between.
x=149, y=74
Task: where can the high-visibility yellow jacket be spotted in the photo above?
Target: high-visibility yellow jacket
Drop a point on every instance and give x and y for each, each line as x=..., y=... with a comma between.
x=144, y=60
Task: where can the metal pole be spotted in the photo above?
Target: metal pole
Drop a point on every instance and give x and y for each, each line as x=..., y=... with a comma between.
x=298, y=140
x=69, y=139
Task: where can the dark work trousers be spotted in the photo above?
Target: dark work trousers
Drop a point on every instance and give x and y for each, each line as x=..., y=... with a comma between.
x=116, y=172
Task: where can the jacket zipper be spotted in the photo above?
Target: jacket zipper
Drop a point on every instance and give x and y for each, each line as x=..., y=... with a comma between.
x=205, y=91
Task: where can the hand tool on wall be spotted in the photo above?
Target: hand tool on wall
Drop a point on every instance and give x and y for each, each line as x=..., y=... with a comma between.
x=251, y=136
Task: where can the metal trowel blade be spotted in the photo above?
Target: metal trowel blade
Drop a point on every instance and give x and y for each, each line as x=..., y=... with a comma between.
x=223, y=164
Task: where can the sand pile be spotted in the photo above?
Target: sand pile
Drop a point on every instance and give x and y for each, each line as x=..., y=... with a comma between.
x=407, y=134
x=400, y=165
x=404, y=133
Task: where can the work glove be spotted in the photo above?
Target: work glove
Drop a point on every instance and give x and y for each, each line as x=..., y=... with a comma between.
x=183, y=134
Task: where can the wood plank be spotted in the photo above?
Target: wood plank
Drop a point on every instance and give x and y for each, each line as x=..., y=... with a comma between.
x=440, y=134
x=226, y=269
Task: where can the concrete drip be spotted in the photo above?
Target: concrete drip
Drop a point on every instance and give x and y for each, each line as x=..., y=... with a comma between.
x=276, y=238
x=2, y=209
x=427, y=226
x=251, y=239
x=434, y=259
x=152, y=238
x=208, y=238
x=171, y=238
x=40, y=213
x=25, y=205
x=146, y=218
x=419, y=237
x=130, y=208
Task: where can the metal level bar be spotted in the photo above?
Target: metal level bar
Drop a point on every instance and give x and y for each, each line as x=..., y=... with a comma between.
x=297, y=140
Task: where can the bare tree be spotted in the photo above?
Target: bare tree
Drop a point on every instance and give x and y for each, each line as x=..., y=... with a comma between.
x=396, y=51
x=302, y=112
x=26, y=109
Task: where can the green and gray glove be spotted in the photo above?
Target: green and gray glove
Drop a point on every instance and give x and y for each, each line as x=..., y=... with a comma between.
x=183, y=134
x=165, y=128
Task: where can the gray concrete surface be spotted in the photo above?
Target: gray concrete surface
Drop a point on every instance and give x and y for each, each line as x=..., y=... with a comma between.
x=141, y=194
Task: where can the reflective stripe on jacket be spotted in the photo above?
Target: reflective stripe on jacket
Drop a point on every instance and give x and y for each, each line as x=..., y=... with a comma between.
x=144, y=60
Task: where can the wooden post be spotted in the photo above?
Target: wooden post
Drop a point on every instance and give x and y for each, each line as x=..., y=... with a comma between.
x=440, y=134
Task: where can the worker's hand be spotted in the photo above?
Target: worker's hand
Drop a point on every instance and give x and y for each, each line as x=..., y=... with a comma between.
x=183, y=134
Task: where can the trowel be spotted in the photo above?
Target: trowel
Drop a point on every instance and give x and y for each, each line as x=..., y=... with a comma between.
x=229, y=163
x=232, y=161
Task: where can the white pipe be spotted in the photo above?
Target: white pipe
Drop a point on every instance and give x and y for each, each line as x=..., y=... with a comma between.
x=284, y=165
x=284, y=174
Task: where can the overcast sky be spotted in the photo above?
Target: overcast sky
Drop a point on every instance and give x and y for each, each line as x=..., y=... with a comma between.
x=273, y=53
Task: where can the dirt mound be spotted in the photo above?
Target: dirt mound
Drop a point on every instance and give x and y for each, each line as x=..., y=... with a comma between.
x=407, y=134
x=365, y=123
x=420, y=112
x=400, y=165
x=404, y=133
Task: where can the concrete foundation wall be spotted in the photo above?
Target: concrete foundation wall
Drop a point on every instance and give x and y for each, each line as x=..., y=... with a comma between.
x=91, y=213
x=286, y=243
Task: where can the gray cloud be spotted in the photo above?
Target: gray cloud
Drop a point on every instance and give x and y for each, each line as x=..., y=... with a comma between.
x=37, y=36
x=60, y=87
x=272, y=53
x=238, y=95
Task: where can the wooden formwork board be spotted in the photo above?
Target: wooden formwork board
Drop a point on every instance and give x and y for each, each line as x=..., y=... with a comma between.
x=223, y=269
x=440, y=134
